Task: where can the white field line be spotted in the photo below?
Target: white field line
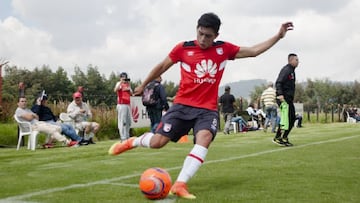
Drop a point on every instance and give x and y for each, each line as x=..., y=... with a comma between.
x=109, y=181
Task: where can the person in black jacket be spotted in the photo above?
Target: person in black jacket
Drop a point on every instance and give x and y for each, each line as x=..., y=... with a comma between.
x=227, y=102
x=285, y=90
x=155, y=112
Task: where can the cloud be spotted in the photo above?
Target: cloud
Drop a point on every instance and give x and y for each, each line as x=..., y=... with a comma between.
x=133, y=36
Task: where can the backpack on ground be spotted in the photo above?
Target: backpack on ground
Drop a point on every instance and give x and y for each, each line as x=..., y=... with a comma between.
x=150, y=96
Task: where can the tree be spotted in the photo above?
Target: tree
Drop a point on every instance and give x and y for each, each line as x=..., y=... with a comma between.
x=170, y=88
x=61, y=87
x=300, y=95
x=95, y=90
x=255, y=95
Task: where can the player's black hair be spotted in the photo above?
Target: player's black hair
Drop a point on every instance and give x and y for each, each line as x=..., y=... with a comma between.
x=209, y=20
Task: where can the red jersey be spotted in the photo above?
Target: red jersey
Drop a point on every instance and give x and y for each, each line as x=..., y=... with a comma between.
x=123, y=97
x=201, y=72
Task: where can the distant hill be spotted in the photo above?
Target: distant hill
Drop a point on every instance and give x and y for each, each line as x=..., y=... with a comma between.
x=242, y=88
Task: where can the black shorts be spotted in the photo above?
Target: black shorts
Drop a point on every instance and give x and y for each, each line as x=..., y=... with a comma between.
x=180, y=119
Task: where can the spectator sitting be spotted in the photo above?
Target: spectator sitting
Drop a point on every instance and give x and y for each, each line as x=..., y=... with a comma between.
x=257, y=114
x=45, y=114
x=25, y=114
x=242, y=123
x=355, y=114
x=299, y=118
x=80, y=112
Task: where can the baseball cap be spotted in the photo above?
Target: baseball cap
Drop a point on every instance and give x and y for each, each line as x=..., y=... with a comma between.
x=123, y=75
x=77, y=95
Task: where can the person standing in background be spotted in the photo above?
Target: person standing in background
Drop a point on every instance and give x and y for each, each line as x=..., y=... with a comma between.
x=155, y=111
x=268, y=98
x=227, y=102
x=285, y=91
x=123, y=92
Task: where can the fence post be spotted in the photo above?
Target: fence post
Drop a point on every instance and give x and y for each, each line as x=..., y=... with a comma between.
x=308, y=116
x=317, y=115
x=325, y=110
x=339, y=112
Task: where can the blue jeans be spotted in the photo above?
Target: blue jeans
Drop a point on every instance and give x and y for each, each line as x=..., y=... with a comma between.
x=155, y=118
x=271, y=114
x=242, y=122
x=67, y=130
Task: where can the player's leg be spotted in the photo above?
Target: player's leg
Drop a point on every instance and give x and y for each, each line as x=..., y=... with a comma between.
x=205, y=130
x=172, y=127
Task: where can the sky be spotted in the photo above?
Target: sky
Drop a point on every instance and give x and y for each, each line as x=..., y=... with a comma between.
x=135, y=35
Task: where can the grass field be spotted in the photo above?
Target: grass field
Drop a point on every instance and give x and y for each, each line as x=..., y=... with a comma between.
x=323, y=166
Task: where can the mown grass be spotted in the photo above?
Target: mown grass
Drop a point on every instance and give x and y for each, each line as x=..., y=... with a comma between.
x=8, y=134
x=323, y=166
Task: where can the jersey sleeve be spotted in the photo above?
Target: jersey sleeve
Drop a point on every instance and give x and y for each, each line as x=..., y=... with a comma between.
x=175, y=54
x=233, y=50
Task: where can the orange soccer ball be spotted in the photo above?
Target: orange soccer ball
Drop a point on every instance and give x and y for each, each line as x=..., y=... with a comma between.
x=155, y=183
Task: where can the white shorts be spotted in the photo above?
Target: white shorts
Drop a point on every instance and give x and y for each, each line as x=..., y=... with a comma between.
x=82, y=125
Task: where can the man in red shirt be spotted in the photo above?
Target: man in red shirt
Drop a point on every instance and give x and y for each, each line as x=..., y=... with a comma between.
x=202, y=64
x=123, y=92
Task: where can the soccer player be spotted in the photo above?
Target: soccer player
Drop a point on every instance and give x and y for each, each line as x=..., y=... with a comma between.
x=202, y=63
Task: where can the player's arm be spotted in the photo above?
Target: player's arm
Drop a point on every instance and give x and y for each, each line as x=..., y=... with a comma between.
x=263, y=46
x=156, y=72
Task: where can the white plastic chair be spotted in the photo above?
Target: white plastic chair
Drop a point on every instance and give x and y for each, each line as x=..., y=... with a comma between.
x=26, y=129
x=234, y=126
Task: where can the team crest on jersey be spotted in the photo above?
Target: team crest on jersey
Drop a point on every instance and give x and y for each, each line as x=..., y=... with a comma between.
x=167, y=127
x=220, y=51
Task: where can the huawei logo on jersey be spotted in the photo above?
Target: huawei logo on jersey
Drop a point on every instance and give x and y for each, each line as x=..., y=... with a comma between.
x=205, y=71
x=206, y=68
